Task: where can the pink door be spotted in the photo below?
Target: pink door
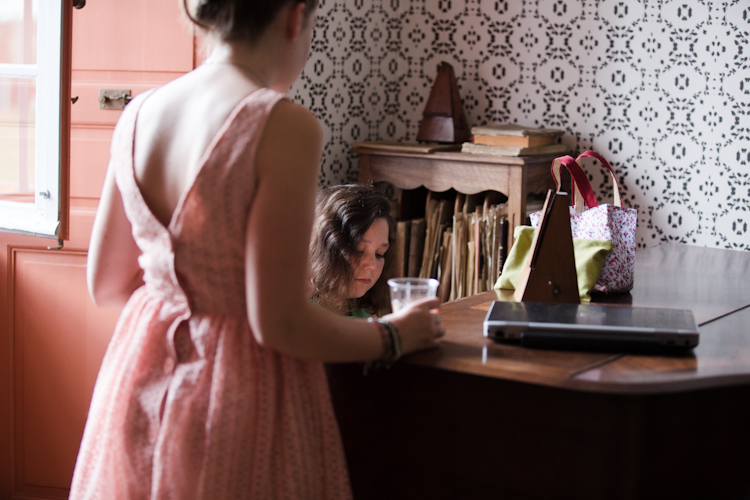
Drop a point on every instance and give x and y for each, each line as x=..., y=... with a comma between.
x=52, y=337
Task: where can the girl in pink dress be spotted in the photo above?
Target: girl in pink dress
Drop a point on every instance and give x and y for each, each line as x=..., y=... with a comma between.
x=213, y=386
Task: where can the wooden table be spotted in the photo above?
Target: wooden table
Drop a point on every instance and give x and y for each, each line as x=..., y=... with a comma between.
x=476, y=419
x=515, y=177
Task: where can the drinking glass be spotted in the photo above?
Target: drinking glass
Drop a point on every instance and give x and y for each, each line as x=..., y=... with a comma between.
x=406, y=290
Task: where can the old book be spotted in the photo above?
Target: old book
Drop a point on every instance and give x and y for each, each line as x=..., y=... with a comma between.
x=502, y=248
x=469, y=273
x=403, y=236
x=528, y=141
x=481, y=149
x=437, y=255
x=471, y=254
x=408, y=147
x=495, y=237
x=514, y=129
x=436, y=225
x=478, y=251
x=460, y=201
x=416, y=247
x=446, y=263
x=458, y=269
x=489, y=252
x=490, y=246
x=445, y=218
x=503, y=243
x=431, y=217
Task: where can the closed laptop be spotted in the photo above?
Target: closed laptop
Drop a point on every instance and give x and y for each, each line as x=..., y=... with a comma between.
x=591, y=326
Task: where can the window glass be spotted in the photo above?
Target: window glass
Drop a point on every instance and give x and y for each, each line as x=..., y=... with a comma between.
x=31, y=110
x=18, y=31
x=17, y=133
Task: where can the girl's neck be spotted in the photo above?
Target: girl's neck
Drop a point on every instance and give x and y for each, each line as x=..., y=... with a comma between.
x=244, y=57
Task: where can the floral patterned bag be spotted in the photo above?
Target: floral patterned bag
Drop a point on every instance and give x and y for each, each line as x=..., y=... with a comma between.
x=590, y=220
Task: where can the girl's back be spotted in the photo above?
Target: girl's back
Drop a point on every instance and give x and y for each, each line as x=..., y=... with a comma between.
x=175, y=127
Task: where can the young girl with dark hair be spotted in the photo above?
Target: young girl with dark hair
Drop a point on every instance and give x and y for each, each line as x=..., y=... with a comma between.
x=349, y=252
x=213, y=385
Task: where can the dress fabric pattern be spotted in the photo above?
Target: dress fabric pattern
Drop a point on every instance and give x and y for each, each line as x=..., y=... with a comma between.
x=187, y=405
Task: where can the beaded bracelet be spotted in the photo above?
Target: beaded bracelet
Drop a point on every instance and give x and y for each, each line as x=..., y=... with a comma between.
x=391, y=341
x=393, y=336
x=384, y=336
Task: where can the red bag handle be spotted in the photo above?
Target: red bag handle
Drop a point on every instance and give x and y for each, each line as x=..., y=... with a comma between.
x=581, y=191
x=616, y=190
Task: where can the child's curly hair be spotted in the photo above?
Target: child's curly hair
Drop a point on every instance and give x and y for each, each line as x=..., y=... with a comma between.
x=343, y=215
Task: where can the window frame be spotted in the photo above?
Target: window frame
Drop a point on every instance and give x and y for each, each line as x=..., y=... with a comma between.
x=47, y=215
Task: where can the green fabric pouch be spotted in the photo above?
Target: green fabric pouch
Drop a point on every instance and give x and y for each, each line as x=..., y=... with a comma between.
x=589, y=255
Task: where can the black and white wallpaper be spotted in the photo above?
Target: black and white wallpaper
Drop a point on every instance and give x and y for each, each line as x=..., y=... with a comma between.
x=661, y=88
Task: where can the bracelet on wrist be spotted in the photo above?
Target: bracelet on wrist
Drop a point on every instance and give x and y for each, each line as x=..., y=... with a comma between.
x=395, y=343
x=391, y=342
x=384, y=337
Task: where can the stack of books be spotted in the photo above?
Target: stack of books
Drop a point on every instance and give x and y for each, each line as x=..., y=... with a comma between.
x=461, y=242
x=510, y=139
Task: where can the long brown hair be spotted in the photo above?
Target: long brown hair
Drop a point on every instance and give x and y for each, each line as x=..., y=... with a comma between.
x=343, y=215
x=234, y=20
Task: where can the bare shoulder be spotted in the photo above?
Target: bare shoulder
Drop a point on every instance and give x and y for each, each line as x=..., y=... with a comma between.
x=290, y=117
x=293, y=135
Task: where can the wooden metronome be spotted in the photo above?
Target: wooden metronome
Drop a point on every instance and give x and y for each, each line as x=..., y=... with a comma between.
x=443, y=119
x=549, y=274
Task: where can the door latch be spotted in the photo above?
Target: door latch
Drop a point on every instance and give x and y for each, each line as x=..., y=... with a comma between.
x=114, y=98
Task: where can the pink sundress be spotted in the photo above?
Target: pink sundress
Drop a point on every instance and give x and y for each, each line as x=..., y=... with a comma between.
x=187, y=405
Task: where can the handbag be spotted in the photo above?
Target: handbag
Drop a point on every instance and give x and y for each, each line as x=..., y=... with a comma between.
x=590, y=220
x=589, y=256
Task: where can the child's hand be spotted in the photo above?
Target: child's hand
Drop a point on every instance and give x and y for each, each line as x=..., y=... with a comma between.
x=418, y=325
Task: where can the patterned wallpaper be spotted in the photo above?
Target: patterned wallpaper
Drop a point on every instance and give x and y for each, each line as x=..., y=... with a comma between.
x=661, y=88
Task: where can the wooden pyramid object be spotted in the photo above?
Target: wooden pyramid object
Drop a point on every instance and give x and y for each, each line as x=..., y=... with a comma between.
x=549, y=274
x=443, y=119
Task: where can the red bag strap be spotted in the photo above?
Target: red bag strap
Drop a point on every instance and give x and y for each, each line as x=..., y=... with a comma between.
x=616, y=190
x=582, y=194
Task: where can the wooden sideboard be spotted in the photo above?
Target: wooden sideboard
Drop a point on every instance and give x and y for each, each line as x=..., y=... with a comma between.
x=515, y=177
x=482, y=420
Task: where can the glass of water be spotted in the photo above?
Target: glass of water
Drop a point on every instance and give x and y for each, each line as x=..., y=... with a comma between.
x=406, y=290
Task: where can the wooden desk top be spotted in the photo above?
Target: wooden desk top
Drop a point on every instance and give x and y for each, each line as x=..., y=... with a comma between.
x=712, y=283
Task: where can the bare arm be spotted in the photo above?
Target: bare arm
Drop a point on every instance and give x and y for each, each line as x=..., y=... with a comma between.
x=112, y=270
x=278, y=235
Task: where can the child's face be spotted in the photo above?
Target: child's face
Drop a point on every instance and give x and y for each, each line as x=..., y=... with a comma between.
x=373, y=246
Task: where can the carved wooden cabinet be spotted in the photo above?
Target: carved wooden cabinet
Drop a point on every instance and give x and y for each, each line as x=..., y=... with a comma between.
x=515, y=177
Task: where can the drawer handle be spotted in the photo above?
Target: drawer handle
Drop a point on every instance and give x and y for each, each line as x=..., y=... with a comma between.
x=114, y=98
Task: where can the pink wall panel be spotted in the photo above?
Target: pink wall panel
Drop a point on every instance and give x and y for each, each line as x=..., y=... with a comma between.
x=141, y=35
x=59, y=339
x=82, y=212
x=89, y=153
x=53, y=362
